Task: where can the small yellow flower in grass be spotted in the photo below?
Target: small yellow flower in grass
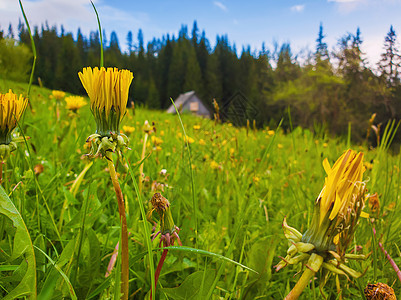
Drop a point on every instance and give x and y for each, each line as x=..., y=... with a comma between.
x=58, y=95
x=271, y=132
x=128, y=129
x=336, y=213
x=11, y=109
x=197, y=127
x=108, y=93
x=368, y=165
x=325, y=145
x=156, y=140
x=202, y=142
x=280, y=146
x=74, y=103
x=215, y=166
x=189, y=139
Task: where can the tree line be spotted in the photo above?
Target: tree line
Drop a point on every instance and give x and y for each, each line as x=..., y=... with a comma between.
x=326, y=90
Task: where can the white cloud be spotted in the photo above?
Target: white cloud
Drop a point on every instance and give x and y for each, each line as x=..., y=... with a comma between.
x=347, y=6
x=298, y=8
x=220, y=5
x=72, y=14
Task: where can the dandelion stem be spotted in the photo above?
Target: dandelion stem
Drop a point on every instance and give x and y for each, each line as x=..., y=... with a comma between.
x=389, y=258
x=314, y=264
x=124, y=231
x=145, y=140
x=159, y=267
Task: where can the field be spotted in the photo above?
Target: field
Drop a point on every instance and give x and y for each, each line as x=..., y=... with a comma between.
x=236, y=191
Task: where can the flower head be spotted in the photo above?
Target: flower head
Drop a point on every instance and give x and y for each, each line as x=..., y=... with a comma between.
x=128, y=129
x=335, y=217
x=108, y=93
x=339, y=204
x=168, y=230
x=74, y=103
x=11, y=110
x=58, y=95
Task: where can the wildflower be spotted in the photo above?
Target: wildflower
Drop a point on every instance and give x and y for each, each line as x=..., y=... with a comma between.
x=325, y=145
x=197, y=127
x=379, y=291
x=280, y=146
x=74, y=103
x=11, y=109
x=202, y=142
x=156, y=140
x=270, y=132
x=189, y=140
x=108, y=93
x=368, y=165
x=58, y=95
x=374, y=203
x=336, y=213
x=215, y=166
x=168, y=230
x=128, y=129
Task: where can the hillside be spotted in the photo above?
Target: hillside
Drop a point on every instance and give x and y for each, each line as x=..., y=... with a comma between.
x=246, y=181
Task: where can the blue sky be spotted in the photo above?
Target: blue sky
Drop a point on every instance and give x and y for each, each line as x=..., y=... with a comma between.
x=245, y=22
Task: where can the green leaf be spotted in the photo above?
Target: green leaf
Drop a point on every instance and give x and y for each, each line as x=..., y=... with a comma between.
x=22, y=247
x=190, y=288
x=207, y=253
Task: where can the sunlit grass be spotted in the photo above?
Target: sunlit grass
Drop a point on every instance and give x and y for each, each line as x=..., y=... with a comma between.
x=246, y=183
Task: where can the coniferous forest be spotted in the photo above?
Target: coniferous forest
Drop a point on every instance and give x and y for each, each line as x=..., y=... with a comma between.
x=326, y=89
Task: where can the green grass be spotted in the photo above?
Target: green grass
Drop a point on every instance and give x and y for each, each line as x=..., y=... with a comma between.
x=245, y=185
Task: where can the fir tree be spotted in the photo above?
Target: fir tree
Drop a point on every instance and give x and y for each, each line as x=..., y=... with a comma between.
x=390, y=61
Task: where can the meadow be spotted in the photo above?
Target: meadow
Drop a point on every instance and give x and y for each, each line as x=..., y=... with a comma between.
x=235, y=189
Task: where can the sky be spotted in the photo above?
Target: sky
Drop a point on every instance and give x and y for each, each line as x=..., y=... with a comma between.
x=249, y=22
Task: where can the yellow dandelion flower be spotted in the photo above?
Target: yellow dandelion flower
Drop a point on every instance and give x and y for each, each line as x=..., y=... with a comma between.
x=214, y=165
x=368, y=165
x=58, y=95
x=108, y=93
x=156, y=140
x=280, y=146
x=189, y=139
x=271, y=132
x=196, y=127
x=325, y=145
x=335, y=217
x=256, y=179
x=202, y=142
x=158, y=148
x=340, y=201
x=11, y=110
x=232, y=151
x=75, y=102
x=128, y=129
